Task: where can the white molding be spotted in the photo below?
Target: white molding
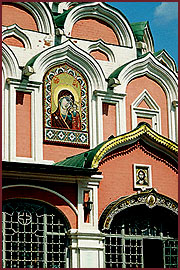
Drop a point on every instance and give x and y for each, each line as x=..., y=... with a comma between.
x=148, y=40
x=42, y=15
x=119, y=101
x=46, y=189
x=167, y=79
x=69, y=53
x=86, y=249
x=168, y=60
x=10, y=62
x=17, y=32
x=153, y=112
x=100, y=45
x=101, y=11
x=10, y=69
x=92, y=187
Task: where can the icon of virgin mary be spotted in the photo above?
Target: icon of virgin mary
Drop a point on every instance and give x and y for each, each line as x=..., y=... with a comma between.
x=64, y=116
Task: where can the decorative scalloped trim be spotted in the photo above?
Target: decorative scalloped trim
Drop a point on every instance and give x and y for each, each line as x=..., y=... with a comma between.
x=108, y=146
x=131, y=149
x=150, y=198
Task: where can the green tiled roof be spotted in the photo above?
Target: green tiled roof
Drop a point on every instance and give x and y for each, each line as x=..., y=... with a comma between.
x=138, y=29
x=82, y=160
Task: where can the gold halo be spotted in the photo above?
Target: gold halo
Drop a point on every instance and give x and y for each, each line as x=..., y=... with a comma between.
x=60, y=87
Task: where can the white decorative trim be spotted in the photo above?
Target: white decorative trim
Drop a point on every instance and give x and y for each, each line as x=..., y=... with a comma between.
x=11, y=64
x=153, y=112
x=101, y=11
x=148, y=40
x=10, y=68
x=148, y=177
x=100, y=45
x=167, y=79
x=92, y=187
x=119, y=101
x=49, y=190
x=42, y=15
x=168, y=60
x=69, y=53
x=175, y=125
x=17, y=32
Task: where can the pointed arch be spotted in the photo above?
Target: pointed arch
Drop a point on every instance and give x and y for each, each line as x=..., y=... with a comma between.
x=149, y=66
x=69, y=53
x=150, y=198
x=100, y=45
x=10, y=63
x=15, y=30
x=41, y=14
x=104, y=12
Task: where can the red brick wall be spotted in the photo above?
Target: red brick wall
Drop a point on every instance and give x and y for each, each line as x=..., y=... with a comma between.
x=69, y=191
x=14, y=41
x=94, y=29
x=23, y=124
x=135, y=88
x=109, y=120
x=118, y=177
x=97, y=54
x=142, y=119
x=60, y=152
x=15, y=14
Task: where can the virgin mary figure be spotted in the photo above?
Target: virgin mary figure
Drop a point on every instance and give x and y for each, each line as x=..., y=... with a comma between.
x=62, y=117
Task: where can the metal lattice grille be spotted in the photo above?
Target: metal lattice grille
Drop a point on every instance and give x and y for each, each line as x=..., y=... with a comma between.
x=123, y=252
x=33, y=236
x=171, y=253
x=142, y=238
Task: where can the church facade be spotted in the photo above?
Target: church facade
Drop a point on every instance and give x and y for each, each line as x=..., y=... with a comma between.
x=89, y=140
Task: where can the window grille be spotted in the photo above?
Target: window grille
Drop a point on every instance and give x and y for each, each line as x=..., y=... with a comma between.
x=34, y=235
x=136, y=233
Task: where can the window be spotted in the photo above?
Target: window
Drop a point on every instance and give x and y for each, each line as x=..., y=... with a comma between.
x=145, y=109
x=34, y=235
x=140, y=237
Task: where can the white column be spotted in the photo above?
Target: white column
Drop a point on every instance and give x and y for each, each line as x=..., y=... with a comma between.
x=87, y=242
x=175, y=122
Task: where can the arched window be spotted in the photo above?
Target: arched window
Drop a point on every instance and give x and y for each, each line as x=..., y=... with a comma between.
x=140, y=237
x=34, y=235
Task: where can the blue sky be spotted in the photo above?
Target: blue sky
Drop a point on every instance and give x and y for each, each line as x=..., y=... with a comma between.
x=163, y=21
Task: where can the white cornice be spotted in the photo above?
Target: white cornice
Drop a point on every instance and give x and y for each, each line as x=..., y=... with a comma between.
x=10, y=62
x=42, y=15
x=17, y=32
x=69, y=53
x=103, y=12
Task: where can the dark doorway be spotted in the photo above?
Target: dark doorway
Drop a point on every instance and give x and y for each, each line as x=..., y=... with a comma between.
x=153, y=253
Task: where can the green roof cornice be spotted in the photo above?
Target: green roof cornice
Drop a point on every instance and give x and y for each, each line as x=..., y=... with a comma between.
x=32, y=60
x=138, y=29
x=60, y=19
x=117, y=71
x=157, y=53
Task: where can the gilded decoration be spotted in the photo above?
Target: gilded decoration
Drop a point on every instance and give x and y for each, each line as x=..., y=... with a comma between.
x=65, y=106
x=130, y=136
x=150, y=198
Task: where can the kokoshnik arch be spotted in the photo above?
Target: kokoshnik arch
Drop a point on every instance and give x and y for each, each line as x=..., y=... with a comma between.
x=89, y=139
